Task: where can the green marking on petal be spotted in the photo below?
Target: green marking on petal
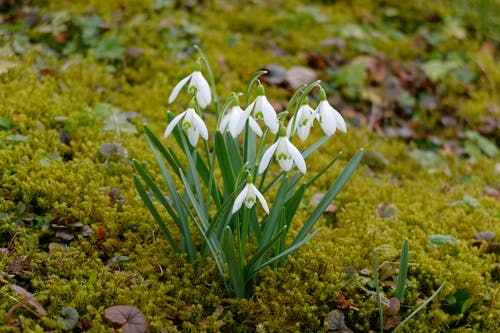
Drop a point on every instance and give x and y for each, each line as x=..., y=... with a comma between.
x=283, y=156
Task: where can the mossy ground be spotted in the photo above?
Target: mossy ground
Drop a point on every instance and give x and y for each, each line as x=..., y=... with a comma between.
x=55, y=72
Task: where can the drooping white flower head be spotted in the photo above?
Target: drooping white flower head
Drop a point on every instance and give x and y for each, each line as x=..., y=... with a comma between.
x=197, y=86
x=302, y=122
x=249, y=196
x=235, y=121
x=192, y=124
x=262, y=109
x=329, y=119
x=286, y=154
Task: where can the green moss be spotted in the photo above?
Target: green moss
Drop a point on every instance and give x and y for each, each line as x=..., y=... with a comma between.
x=71, y=180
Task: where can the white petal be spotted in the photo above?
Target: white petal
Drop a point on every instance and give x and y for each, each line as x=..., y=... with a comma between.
x=224, y=122
x=326, y=118
x=236, y=123
x=172, y=124
x=239, y=125
x=340, y=121
x=286, y=164
x=203, y=94
x=303, y=132
x=254, y=126
x=177, y=88
x=296, y=157
x=200, y=125
x=193, y=135
x=239, y=199
x=270, y=118
x=261, y=199
x=289, y=131
x=283, y=155
x=266, y=157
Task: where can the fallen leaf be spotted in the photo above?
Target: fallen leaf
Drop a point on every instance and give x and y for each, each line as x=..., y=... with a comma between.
x=129, y=317
x=30, y=298
x=387, y=210
x=335, y=321
x=393, y=306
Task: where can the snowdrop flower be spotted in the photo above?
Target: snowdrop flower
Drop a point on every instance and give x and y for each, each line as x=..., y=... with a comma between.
x=235, y=121
x=302, y=122
x=249, y=196
x=286, y=154
x=262, y=109
x=197, y=86
x=192, y=124
x=329, y=118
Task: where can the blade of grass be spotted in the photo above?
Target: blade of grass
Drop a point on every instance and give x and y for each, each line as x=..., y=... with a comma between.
x=420, y=307
x=403, y=270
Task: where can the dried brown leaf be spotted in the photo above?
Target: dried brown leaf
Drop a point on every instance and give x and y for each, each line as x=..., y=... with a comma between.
x=30, y=298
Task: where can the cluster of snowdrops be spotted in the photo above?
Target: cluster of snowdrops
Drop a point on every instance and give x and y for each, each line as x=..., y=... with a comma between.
x=243, y=178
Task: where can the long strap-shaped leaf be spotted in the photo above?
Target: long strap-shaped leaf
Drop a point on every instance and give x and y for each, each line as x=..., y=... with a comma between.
x=403, y=270
x=147, y=201
x=253, y=273
x=234, y=267
x=175, y=163
x=270, y=221
x=214, y=246
x=259, y=255
x=178, y=202
x=156, y=191
x=227, y=171
x=329, y=196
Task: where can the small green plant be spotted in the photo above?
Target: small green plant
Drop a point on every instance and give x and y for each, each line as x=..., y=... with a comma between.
x=240, y=239
x=400, y=287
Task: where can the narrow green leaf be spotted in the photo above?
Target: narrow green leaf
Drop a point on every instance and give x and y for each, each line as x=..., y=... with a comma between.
x=186, y=241
x=403, y=270
x=149, y=204
x=234, y=151
x=156, y=191
x=315, y=146
x=234, y=267
x=259, y=255
x=200, y=211
x=252, y=274
x=322, y=171
x=420, y=307
x=293, y=204
x=226, y=168
x=269, y=222
x=330, y=195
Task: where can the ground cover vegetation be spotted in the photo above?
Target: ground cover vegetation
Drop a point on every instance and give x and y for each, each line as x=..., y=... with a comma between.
x=417, y=83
